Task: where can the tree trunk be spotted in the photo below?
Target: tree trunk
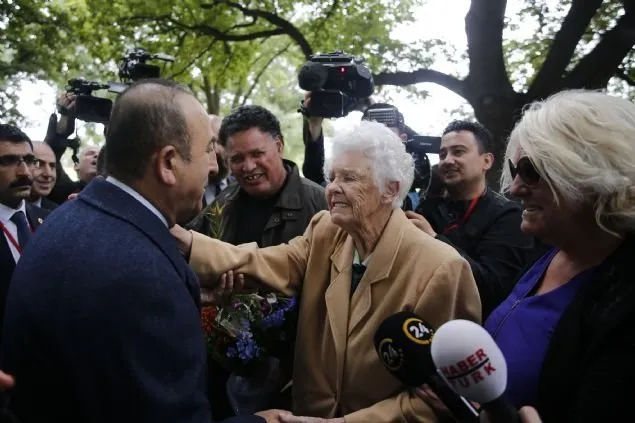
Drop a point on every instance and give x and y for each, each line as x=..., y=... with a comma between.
x=499, y=114
x=212, y=97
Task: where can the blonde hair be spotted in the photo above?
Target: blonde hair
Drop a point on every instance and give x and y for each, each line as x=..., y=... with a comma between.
x=386, y=152
x=583, y=144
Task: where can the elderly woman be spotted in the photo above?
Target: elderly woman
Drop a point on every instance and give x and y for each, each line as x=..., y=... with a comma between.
x=337, y=373
x=568, y=329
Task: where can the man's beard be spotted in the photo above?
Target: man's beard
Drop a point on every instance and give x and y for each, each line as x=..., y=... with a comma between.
x=223, y=170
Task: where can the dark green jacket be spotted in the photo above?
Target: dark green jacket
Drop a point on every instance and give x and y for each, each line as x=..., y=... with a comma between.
x=299, y=201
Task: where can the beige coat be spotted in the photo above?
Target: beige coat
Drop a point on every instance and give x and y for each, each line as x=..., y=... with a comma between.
x=337, y=371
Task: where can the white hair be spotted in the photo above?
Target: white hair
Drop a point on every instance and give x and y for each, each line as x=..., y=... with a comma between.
x=386, y=152
x=583, y=144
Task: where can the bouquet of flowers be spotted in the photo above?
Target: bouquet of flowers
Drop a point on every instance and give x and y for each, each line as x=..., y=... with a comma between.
x=247, y=329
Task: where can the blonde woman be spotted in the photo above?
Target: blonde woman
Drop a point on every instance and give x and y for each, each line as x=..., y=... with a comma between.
x=568, y=329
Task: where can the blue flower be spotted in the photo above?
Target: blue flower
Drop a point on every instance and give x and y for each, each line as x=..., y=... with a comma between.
x=246, y=347
x=276, y=318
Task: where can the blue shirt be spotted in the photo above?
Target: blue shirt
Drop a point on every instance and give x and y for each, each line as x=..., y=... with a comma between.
x=523, y=324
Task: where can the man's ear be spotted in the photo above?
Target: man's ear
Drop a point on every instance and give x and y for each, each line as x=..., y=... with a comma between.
x=280, y=144
x=392, y=191
x=166, y=165
x=488, y=161
x=404, y=137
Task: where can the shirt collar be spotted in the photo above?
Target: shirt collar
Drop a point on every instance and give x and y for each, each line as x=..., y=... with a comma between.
x=140, y=198
x=356, y=259
x=37, y=202
x=7, y=212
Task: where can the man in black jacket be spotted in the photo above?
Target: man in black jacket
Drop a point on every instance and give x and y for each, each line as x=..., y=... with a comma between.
x=481, y=224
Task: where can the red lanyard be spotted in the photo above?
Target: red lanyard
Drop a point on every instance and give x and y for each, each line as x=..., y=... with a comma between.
x=11, y=239
x=465, y=217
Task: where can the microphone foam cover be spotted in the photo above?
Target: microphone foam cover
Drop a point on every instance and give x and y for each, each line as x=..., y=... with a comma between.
x=403, y=342
x=312, y=76
x=469, y=359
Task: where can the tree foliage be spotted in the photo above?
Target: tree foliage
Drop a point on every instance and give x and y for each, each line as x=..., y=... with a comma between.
x=231, y=52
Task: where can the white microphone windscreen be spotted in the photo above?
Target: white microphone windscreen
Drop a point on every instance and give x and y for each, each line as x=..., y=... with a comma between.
x=469, y=359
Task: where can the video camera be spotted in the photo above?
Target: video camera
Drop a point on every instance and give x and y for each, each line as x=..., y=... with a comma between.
x=336, y=81
x=133, y=67
x=418, y=146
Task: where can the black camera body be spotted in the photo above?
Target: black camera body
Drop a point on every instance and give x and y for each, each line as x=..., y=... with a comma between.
x=419, y=146
x=133, y=67
x=88, y=107
x=336, y=81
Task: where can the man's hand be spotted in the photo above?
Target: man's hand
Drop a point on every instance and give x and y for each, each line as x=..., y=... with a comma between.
x=66, y=102
x=6, y=381
x=421, y=223
x=273, y=416
x=228, y=283
x=290, y=418
x=315, y=123
x=183, y=238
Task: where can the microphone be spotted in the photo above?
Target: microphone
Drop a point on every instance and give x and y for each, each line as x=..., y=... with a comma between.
x=312, y=76
x=403, y=343
x=472, y=363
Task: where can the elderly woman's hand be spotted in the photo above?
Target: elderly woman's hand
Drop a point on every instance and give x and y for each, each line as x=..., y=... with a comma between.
x=183, y=238
x=421, y=223
x=430, y=398
x=290, y=418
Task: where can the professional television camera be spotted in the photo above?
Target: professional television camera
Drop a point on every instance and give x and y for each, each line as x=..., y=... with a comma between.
x=133, y=67
x=336, y=81
x=88, y=107
x=418, y=146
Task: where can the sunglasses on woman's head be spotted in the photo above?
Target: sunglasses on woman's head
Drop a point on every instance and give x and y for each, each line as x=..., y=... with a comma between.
x=526, y=170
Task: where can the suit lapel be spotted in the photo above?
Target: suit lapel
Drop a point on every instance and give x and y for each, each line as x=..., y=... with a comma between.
x=7, y=264
x=337, y=299
x=379, y=268
x=35, y=215
x=114, y=201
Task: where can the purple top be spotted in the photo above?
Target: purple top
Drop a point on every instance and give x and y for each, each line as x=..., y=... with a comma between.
x=523, y=324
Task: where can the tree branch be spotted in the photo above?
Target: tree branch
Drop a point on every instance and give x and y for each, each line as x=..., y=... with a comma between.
x=283, y=25
x=484, y=28
x=573, y=27
x=262, y=71
x=198, y=56
x=421, y=75
x=209, y=30
x=596, y=68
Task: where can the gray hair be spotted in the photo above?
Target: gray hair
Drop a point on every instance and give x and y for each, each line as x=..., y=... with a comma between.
x=583, y=144
x=386, y=151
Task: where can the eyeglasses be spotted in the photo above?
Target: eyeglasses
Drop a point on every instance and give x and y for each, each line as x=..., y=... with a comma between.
x=526, y=170
x=16, y=160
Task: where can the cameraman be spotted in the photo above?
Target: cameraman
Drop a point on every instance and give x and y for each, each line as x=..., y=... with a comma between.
x=313, y=137
x=57, y=137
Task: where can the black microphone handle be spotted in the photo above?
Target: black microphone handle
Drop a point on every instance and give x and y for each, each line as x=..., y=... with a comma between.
x=462, y=410
x=501, y=411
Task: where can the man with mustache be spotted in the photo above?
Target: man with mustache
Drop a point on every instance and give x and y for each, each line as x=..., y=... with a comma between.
x=18, y=220
x=481, y=224
x=44, y=176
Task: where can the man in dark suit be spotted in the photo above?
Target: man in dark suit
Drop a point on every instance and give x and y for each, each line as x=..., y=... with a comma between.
x=103, y=323
x=44, y=176
x=17, y=219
